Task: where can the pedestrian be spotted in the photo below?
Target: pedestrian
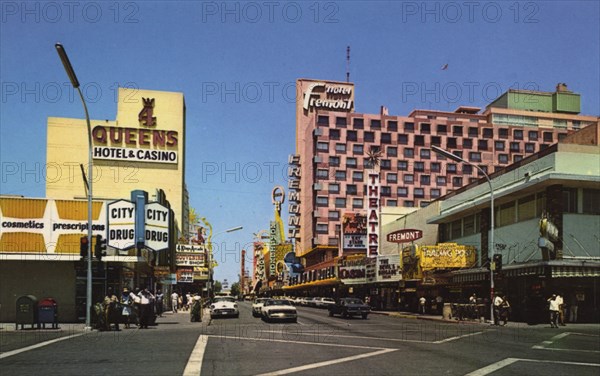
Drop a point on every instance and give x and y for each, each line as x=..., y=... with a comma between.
x=127, y=312
x=473, y=299
x=188, y=301
x=573, y=307
x=159, y=302
x=561, y=309
x=174, y=301
x=497, y=305
x=553, y=307
x=422, y=304
x=145, y=308
x=110, y=307
x=504, y=310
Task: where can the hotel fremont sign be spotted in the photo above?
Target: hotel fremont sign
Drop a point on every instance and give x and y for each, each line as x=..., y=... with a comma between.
x=142, y=144
x=327, y=96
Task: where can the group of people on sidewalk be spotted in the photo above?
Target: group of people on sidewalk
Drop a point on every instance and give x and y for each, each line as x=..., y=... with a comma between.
x=557, y=311
x=186, y=302
x=139, y=307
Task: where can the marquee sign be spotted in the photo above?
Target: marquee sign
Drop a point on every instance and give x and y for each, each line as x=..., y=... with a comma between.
x=354, y=229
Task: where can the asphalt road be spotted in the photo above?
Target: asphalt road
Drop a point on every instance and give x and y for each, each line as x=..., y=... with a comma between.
x=316, y=345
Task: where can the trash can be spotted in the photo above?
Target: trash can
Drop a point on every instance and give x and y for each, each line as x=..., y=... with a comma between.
x=27, y=311
x=48, y=313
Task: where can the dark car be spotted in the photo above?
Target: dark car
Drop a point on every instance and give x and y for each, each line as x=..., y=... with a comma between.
x=348, y=307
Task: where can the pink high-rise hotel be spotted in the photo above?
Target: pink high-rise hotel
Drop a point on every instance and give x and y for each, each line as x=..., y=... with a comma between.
x=327, y=172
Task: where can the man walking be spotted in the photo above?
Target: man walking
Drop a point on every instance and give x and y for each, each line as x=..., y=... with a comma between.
x=553, y=308
x=497, y=306
x=174, y=301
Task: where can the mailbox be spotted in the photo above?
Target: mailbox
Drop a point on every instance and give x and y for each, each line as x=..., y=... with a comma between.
x=27, y=311
x=48, y=312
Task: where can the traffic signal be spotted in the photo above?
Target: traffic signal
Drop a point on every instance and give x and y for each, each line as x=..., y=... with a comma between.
x=100, y=248
x=83, y=247
x=498, y=261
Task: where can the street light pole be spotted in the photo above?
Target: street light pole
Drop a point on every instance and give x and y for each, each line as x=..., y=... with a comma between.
x=71, y=73
x=456, y=158
x=209, y=246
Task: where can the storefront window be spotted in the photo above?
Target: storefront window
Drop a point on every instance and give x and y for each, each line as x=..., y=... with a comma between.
x=526, y=208
x=591, y=201
x=505, y=215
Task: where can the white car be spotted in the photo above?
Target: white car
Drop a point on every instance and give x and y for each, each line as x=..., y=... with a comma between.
x=257, y=305
x=279, y=309
x=224, y=306
x=324, y=302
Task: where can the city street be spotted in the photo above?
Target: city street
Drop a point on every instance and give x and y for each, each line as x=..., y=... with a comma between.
x=317, y=344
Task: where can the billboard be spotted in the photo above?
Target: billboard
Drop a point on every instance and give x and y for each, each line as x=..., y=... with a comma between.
x=354, y=230
x=447, y=256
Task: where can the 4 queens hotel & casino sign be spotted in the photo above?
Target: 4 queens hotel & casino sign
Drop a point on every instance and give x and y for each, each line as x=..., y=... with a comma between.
x=142, y=144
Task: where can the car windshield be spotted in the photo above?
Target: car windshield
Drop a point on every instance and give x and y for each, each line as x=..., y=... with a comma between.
x=261, y=300
x=277, y=302
x=225, y=299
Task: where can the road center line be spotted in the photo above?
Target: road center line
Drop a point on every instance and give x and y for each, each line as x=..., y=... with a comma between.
x=299, y=342
x=325, y=335
x=37, y=345
x=194, y=364
x=327, y=363
x=457, y=337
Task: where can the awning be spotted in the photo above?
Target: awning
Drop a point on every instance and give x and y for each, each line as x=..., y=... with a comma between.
x=574, y=271
x=323, y=282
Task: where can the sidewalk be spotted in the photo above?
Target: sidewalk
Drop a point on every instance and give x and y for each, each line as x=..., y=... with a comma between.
x=438, y=318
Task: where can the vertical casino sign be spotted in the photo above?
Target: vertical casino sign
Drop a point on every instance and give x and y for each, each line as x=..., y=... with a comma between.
x=373, y=201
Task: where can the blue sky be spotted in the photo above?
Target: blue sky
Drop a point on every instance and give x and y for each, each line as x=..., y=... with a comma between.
x=236, y=63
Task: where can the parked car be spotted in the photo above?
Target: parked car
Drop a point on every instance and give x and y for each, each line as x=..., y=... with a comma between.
x=312, y=301
x=279, y=309
x=223, y=306
x=324, y=302
x=348, y=307
x=257, y=305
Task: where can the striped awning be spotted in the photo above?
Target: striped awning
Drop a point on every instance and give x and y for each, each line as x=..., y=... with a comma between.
x=574, y=271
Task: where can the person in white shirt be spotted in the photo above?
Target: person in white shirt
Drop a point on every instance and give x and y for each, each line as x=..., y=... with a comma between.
x=174, y=301
x=422, y=303
x=553, y=308
x=561, y=310
x=498, y=301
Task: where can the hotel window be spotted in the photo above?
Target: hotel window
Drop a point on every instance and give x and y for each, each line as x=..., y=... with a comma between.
x=334, y=134
x=515, y=147
x=559, y=123
x=483, y=168
x=424, y=204
x=409, y=178
x=488, y=133
x=499, y=145
x=351, y=162
x=517, y=158
x=333, y=214
x=334, y=188
x=482, y=145
x=340, y=175
x=435, y=192
x=392, y=151
x=357, y=203
x=451, y=143
x=386, y=191
x=526, y=208
x=561, y=136
x=591, y=201
x=503, y=158
x=340, y=121
x=322, y=228
x=323, y=120
x=518, y=134
x=386, y=164
x=435, y=166
x=457, y=181
x=451, y=168
x=457, y=130
x=576, y=124
x=505, y=214
x=386, y=138
x=392, y=178
x=392, y=125
x=357, y=176
x=475, y=157
x=467, y=143
x=334, y=161
x=351, y=189
x=409, y=204
x=442, y=128
x=419, y=193
x=358, y=149
x=369, y=137
x=340, y=202
x=458, y=153
x=322, y=146
x=409, y=127
x=322, y=201
x=529, y=148
x=403, y=139
x=392, y=203
x=420, y=166
x=441, y=180
x=402, y=165
x=322, y=173
x=375, y=124
x=425, y=153
x=425, y=128
x=473, y=132
x=340, y=148
x=419, y=140
x=425, y=179
x=352, y=136
x=533, y=135
x=543, y=146
x=503, y=132
x=409, y=152
x=402, y=191
x=359, y=123
x=467, y=169
x=548, y=137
